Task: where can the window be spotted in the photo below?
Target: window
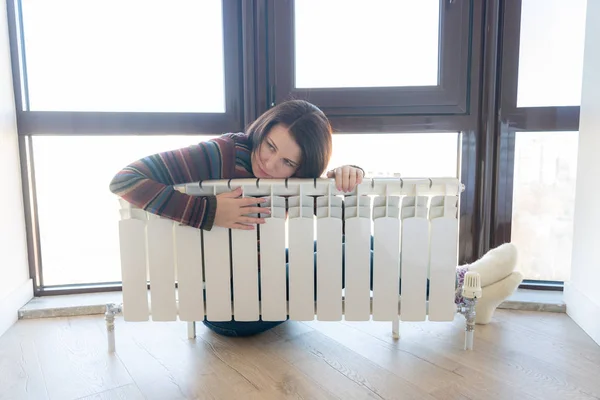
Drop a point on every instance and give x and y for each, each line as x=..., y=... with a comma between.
x=398, y=78
x=551, y=53
x=78, y=215
x=353, y=39
x=132, y=55
x=131, y=66
x=542, y=64
x=355, y=57
x=543, y=203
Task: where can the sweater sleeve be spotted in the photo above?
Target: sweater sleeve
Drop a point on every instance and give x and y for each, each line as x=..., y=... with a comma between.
x=148, y=183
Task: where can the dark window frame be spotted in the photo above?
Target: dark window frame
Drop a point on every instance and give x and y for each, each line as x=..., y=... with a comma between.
x=120, y=123
x=487, y=125
x=511, y=121
x=558, y=118
x=448, y=98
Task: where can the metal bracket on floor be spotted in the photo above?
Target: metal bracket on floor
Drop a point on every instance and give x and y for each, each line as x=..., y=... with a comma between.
x=112, y=310
x=191, y=329
x=471, y=291
x=467, y=308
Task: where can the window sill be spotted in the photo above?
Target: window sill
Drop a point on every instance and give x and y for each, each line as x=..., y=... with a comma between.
x=94, y=303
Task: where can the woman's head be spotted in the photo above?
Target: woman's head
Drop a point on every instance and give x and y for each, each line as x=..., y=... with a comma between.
x=291, y=139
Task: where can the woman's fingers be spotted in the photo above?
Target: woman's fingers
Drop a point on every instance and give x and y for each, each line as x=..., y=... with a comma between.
x=339, y=178
x=249, y=206
x=352, y=179
x=248, y=201
x=242, y=226
x=233, y=194
x=342, y=178
x=346, y=177
x=256, y=210
x=232, y=211
x=347, y=170
x=360, y=175
x=250, y=220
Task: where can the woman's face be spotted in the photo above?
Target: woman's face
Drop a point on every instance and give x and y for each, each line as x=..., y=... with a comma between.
x=278, y=156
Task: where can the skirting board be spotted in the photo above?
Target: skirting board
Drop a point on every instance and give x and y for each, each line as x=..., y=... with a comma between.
x=583, y=311
x=10, y=305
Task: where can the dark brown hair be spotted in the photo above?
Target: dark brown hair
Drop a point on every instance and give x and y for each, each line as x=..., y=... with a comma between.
x=309, y=127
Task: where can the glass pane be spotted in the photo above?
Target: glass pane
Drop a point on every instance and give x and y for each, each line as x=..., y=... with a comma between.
x=551, y=53
x=124, y=55
x=352, y=43
x=544, y=202
x=79, y=223
x=410, y=155
x=78, y=215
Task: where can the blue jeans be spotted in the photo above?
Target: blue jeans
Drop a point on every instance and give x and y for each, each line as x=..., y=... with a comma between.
x=243, y=328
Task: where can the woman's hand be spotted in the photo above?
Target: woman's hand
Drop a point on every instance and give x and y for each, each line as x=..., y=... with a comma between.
x=231, y=210
x=346, y=177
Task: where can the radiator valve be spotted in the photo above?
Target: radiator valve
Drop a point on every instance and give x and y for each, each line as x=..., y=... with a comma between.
x=471, y=286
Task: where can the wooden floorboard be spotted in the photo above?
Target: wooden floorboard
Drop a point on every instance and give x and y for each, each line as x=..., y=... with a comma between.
x=521, y=354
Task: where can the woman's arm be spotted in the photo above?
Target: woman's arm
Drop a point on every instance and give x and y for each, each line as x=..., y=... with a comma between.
x=148, y=183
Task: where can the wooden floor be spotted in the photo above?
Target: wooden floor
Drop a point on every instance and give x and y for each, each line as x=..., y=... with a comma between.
x=522, y=355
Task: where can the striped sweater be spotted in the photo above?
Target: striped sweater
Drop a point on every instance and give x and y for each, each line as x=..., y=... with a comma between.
x=148, y=183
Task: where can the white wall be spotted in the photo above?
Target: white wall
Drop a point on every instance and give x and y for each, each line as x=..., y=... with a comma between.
x=582, y=293
x=15, y=286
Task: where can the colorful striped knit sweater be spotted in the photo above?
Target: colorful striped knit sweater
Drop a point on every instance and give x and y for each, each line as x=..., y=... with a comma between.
x=148, y=183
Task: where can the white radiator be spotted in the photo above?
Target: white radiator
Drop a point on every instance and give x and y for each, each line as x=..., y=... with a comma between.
x=175, y=272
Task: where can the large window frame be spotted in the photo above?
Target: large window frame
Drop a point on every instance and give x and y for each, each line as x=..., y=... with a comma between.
x=115, y=123
x=481, y=105
x=526, y=118
x=512, y=119
x=450, y=96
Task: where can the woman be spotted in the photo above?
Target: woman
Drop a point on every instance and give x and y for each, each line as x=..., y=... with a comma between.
x=293, y=139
